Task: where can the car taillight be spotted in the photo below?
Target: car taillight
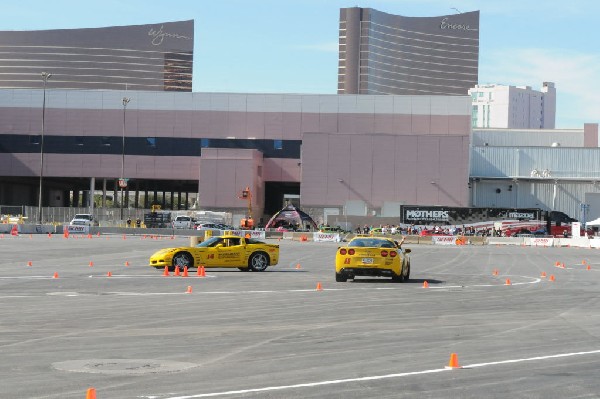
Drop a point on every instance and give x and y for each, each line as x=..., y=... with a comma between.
x=350, y=251
x=393, y=254
x=384, y=253
x=343, y=251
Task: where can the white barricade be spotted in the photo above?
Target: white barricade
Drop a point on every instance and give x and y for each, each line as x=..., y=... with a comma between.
x=288, y=235
x=326, y=237
x=253, y=233
x=78, y=229
x=443, y=240
x=539, y=241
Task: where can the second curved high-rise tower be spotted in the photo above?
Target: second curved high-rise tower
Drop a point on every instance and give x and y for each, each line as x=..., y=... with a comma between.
x=382, y=53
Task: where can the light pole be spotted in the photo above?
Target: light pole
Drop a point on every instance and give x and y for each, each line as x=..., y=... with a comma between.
x=45, y=77
x=122, y=181
x=345, y=205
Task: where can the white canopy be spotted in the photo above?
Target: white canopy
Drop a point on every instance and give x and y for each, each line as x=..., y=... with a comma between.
x=593, y=223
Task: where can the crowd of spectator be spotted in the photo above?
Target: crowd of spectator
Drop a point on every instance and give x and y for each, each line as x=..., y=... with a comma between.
x=424, y=230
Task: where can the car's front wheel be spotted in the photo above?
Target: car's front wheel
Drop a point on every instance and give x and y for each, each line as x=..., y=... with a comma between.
x=258, y=262
x=181, y=260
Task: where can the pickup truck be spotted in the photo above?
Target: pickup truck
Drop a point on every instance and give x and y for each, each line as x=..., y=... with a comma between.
x=183, y=222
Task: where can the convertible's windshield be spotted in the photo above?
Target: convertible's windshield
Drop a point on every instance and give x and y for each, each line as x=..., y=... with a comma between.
x=211, y=242
x=371, y=243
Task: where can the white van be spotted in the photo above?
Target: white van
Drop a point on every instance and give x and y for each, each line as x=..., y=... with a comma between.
x=183, y=222
x=84, y=219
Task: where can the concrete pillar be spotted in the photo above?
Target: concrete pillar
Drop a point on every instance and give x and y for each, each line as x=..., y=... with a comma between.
x=137, y=195
x=186, y=201
x=92, y=189
x=115, y=193
x=103, y=193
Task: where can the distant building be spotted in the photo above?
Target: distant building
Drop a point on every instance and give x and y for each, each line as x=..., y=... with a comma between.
x=382, y=53
x=156, y=57
x=513, y=107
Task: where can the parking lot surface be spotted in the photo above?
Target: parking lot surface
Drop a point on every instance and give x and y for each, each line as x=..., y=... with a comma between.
x=88, y=312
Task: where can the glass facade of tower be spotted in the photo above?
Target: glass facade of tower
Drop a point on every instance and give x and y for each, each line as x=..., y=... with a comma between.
x=157, y=57
x=381, y=53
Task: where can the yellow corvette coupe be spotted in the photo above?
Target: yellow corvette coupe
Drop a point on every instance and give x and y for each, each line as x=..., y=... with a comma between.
x=372, y=256
x=223, y=251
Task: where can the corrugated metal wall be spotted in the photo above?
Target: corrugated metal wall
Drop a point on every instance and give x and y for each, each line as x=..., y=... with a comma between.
x=534, y=194
x=527, y=137
x=558, y=162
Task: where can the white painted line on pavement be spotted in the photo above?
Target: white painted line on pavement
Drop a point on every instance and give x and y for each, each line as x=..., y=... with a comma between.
x=380, y=377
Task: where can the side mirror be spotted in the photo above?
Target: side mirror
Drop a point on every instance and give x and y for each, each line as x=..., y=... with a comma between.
x=407, y=251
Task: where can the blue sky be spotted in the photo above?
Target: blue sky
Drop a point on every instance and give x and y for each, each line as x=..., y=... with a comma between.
x=290, y=46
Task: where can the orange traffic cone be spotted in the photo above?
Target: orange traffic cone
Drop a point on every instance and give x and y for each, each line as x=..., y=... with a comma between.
x=552, y=278
x=166, y=272
x=507, y=282
x=298, y=266
x=91, y=393
x=425, y=284
x=177, y=273
x=14, y=231
x=588, y=267
x=124, y=237
x=319, y=287
x=185, y=272
x=543, y=275
x=91, y=263
x=55, y=275
x=189, y=289
x=557, y=264
x=109, y=274
x=201, y=271
x=126, y=263
x=583, y=262
x=495, y=272
x=29, y=263
x=453, y=363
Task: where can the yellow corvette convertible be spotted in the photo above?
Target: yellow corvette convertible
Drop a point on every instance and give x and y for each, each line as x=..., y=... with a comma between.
x=223, y=251
x=372, y=256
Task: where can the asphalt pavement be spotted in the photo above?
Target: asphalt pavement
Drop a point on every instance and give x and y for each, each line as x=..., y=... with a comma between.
x=88, y=312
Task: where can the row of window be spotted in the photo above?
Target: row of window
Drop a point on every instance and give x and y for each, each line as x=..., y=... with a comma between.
x=153, y=146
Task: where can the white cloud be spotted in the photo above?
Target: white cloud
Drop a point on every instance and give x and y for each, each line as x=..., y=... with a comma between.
x=576, y=75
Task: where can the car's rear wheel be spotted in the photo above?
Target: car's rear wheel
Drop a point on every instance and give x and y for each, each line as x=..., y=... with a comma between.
x=341, y=277
x=258, y=262
x=181, y=260
x=407, y=274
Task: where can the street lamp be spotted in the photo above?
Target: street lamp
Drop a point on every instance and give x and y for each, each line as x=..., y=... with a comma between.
x=45, y=77
x=122, y=181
